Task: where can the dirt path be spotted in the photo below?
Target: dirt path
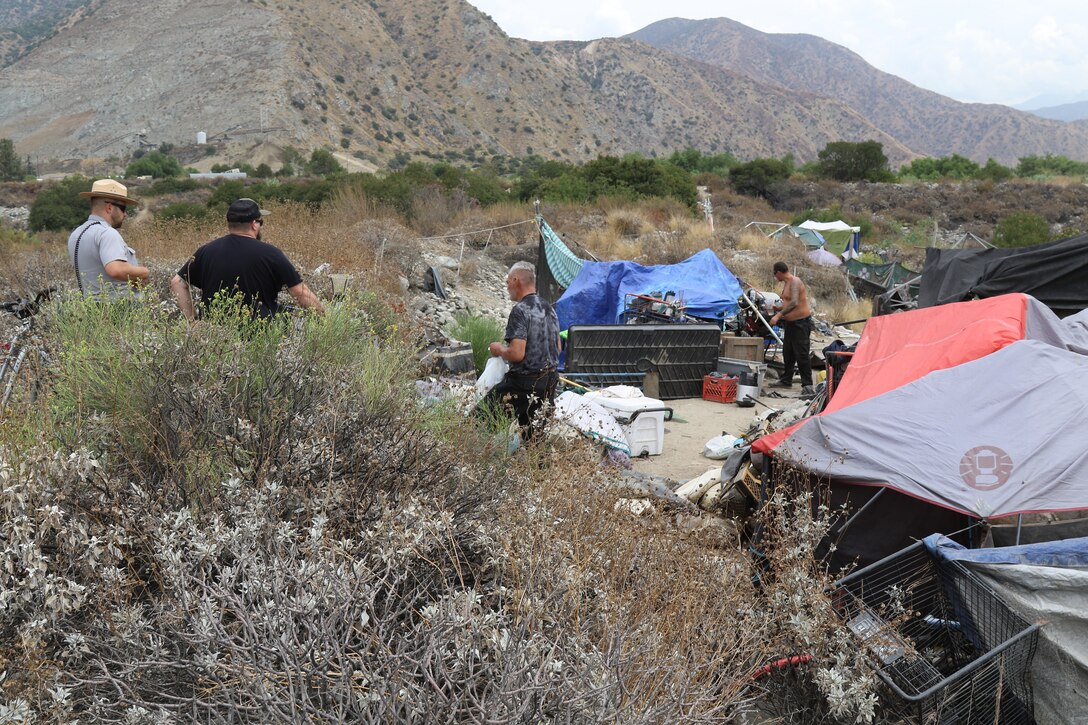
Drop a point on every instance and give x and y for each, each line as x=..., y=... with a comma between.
x=695, y=421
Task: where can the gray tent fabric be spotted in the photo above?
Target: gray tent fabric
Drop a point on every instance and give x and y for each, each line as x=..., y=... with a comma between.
x=1000, y=435
x=1076, y=332
x=1042, y=582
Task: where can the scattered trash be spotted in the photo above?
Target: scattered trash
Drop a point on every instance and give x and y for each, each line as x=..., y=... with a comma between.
x=494, y=371
x=694, y=489
x=720, y=447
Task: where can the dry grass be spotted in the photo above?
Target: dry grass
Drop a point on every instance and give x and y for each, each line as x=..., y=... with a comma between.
x=352, y=236
x=628, y=222
x=30, y=265
x=607, y=244
x=755, y=241
x=663, y=607
x=845, y=309
x=669, y=609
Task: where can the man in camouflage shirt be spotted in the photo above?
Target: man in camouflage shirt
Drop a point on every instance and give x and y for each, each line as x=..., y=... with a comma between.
x=531, y=347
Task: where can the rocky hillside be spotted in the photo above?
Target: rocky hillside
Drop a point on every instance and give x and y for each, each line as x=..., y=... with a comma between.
x=378, y=79
x=924, y=121
x=24, y=24
x=381, y=78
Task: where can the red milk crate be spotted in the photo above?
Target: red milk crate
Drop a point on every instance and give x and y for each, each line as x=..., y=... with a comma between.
x=720, y=389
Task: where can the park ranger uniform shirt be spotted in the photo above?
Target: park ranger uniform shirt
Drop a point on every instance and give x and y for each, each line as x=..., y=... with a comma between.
x=99, y=245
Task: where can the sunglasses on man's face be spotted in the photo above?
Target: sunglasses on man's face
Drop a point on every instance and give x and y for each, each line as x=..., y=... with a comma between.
x=122, y=207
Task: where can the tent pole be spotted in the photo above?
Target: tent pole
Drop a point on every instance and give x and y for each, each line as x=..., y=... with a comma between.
x=859, y=512
x=1019, y=523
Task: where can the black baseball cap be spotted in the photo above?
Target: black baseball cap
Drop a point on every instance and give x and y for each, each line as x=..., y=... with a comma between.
x=245, y=210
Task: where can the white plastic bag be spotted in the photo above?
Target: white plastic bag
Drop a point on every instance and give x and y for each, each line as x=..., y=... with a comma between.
x=720, y=447
x=493, y=373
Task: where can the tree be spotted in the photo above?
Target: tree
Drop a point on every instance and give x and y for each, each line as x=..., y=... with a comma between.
x=759, y=177
x=322, y=163
x=291, y=156
x=156, y=164
x=849, y=161
x=1022, y=229
x=694, y=162
x=995, y=171
x=1050, y=165
x=60, y=207
x=948, y=167
x=11, y=168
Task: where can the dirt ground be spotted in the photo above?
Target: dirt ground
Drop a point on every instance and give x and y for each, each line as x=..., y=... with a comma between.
x=695, y=421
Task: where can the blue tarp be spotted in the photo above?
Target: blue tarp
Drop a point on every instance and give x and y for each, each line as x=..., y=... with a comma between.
x=596, y=296
x=1065, y=553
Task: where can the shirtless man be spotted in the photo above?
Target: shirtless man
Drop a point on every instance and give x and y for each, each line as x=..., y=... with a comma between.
x=796, y=318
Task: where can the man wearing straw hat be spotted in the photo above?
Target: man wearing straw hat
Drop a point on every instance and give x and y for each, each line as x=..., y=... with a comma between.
x=104, y=265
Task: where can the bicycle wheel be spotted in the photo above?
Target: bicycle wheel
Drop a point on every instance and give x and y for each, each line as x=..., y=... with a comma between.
x=21, y=378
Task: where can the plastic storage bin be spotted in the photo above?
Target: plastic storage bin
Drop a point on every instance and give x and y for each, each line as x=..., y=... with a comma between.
x=642, y=419
x=734, y=367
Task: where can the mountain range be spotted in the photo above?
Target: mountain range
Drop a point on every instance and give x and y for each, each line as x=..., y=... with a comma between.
x=378, y=79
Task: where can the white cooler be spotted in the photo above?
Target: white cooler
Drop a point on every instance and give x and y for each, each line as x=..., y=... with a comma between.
x=642, y=419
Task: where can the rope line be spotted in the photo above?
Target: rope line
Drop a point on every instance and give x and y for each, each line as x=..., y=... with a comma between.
x=478, y=231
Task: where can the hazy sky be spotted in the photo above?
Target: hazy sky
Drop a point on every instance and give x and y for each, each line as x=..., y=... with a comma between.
x=992, y=51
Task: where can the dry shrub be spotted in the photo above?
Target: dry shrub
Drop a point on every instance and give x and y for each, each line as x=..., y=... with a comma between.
x=262, y=526
x=433, y=208
x=505, y=224
x=666, y=613
x=572, y=217
x=470, y=268
x=609, y=245
x=752, y=262
x=838, y=685
x=660, y=211
x=350, y=206
x=625, y=222
x=844, y=308
x=755, y=241
x=29, y=264
x=684, y=237
x=828, y=287
x=383, y=250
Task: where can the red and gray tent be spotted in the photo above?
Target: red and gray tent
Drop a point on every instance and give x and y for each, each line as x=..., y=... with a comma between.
x=960, y=412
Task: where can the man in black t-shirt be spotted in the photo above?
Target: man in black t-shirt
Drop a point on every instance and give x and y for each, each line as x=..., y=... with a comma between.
x=531, y=347
x=241, y=264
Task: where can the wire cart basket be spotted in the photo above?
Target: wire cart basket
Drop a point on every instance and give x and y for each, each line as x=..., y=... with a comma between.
x=945, y=647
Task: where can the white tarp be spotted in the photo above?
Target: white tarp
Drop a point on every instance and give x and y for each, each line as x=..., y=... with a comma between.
x=835, y=226
x=592, y=419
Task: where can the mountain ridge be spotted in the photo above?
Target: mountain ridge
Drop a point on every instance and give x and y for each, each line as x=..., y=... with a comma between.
x=378, y=80
x=923, y=120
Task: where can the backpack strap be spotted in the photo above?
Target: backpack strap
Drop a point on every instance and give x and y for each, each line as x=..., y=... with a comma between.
x=75, y=256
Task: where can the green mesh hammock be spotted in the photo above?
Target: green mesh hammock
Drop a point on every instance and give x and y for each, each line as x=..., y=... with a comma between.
x=562, y=262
